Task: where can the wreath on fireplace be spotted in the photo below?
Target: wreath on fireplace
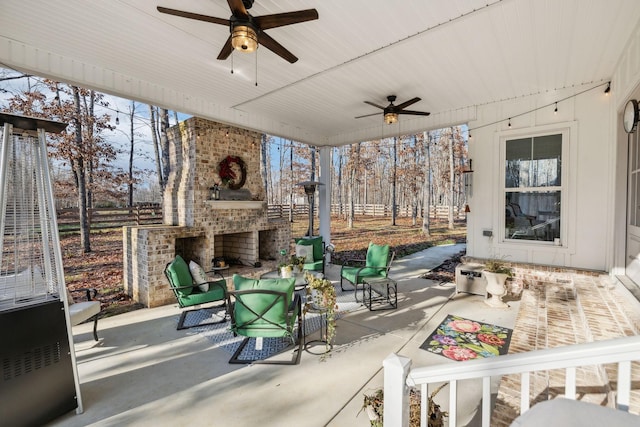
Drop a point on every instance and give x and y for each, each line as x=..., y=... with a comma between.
x=233, y=176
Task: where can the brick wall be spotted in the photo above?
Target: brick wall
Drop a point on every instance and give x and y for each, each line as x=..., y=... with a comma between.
x=198, y=228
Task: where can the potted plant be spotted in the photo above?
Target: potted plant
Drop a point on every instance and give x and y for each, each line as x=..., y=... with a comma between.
x=321, y=295
x=288, y=266
x=496, y=271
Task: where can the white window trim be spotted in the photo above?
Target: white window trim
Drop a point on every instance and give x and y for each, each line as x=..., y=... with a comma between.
x=569, y=132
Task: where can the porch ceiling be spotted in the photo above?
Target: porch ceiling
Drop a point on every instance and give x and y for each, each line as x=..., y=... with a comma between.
x=454, y=54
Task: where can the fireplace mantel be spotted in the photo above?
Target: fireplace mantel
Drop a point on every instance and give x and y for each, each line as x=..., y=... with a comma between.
x=235, y=204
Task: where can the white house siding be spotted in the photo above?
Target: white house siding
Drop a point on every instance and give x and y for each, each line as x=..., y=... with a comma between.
x=595, y=225
x=589, y=176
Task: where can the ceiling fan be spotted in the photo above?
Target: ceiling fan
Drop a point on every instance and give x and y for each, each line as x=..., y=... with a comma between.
x=391, y=111
x=246, y=30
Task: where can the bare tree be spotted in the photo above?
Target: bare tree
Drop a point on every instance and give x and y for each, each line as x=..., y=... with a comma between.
x=154, y=139
x=164, y=145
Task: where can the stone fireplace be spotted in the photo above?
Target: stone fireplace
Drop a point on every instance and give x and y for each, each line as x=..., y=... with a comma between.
x=198, y=228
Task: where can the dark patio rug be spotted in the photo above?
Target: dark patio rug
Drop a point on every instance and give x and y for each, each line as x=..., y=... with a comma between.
x=460, y=339
x=221, y=336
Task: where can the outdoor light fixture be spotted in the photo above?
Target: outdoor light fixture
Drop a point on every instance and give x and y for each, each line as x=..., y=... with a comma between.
x=310, y=190
x=390, y=118
x=608, y=89
x=244, y=38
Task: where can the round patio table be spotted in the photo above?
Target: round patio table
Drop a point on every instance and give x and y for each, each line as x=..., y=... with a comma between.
x=301, y=282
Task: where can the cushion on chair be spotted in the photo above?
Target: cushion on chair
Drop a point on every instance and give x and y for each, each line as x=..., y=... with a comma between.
x=305, y=251
x=378, y=256
x=215, y=293
x=277, y=314
x=180, y=275
x=314, y=266
x=316, y=242
x=199, y=276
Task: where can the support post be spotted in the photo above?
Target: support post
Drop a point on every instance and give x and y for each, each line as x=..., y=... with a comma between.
x=396, y=392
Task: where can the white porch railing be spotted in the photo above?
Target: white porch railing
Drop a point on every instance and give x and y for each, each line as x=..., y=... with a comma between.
x=398, y=373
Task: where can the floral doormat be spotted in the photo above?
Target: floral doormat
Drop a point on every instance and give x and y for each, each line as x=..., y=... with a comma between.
x=458, y=338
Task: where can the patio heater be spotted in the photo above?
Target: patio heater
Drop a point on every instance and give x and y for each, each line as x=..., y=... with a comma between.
x=310, y=191
x=39, y=381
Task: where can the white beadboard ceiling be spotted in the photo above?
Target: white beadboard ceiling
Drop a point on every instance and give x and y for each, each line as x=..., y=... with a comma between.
x=454, y=54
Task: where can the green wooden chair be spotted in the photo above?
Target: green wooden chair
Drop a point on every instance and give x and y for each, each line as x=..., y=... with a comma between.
x=377, y=264
x=265, y=308
x=315, y=257
x=191, y=294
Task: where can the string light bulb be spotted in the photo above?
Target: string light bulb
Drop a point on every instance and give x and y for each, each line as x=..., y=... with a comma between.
x=608, y=89
x=117, y=118
x=509, y=122
x=556, y=109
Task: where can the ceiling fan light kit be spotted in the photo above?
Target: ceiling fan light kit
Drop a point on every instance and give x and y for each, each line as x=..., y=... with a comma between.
x=248, y=31
x=391, y=111
x=244, y=38
x=390, y=118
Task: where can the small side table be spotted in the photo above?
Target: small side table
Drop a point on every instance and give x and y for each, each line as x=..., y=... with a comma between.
x=324, y=327
x=380, y=293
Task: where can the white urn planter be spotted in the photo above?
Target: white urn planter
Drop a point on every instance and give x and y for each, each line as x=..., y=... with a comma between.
x=286, y=272
x=496, y=288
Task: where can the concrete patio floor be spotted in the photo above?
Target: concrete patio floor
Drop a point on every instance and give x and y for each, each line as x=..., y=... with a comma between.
x=145, y=372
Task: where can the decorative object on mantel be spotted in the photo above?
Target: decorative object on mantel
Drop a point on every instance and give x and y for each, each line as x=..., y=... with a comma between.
x=214, y=192
x=233, y=172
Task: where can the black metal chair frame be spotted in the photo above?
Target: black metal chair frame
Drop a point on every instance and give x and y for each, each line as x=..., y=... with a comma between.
x=355, y=285
x=184, y=314
x=90, y=298
x=296, y=303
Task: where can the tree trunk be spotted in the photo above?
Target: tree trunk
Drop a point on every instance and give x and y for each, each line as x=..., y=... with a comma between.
x=352, y=185
x=154, y=138
x=132, y=111
x=426, y=186
x=451, y=183
x=164, y=145
x=394, y=206
x=263, y=164
x=81, y=179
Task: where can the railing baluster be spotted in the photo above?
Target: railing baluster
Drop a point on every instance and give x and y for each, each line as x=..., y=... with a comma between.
x=486, y=401
x=624, y=386
x=453, y=402
x=524, y=392
x=570, y=383
x=424, y=404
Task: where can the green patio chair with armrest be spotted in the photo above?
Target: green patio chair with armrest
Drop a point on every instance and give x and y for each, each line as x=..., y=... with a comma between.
x=315, y=257
x=192, y=294
x=265, y=308
x=377, y=264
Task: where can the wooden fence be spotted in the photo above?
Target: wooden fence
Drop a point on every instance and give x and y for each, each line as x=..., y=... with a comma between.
x=143, y=215
x=68, y=218
x=438, y=212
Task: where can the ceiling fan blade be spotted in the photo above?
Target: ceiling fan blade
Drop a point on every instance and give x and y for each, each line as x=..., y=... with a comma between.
x=265, y=40
x=195, y=16
x=405, y=104
x=238, y=9
x=226, y=49
x=414, y=113
x=375, y=105
x=368, y=115
x=281, y=19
